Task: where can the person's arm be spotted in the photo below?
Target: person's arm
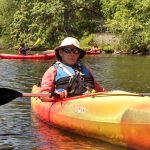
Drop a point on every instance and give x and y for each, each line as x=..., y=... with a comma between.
x=97, y=86
x=47, y=83
x=19, y=50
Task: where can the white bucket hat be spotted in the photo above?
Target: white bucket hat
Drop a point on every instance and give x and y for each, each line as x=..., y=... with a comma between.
x=68, y=42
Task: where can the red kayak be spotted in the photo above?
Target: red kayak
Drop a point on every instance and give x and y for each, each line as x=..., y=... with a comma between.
x=34, y=56
x=92, y=52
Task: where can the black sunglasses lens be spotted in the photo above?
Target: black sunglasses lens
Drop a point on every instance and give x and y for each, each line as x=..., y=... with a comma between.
x=71, y=50
x=67, y=50
x=76, y=51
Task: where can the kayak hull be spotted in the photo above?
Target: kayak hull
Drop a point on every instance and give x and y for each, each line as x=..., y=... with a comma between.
x=93, y=52
x=35, y=56
x=116, y=118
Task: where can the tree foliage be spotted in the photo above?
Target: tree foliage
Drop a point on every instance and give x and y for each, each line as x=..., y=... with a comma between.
x=7, y=10
x=6, y=14
x=130, y=19
x=51, y=20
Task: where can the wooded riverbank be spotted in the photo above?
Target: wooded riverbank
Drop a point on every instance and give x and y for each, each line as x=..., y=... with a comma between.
x=25, y=21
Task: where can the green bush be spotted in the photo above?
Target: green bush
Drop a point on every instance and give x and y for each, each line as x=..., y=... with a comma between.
x=130, y=20
x=4, y=42
x=88, y=41
x=108, y=49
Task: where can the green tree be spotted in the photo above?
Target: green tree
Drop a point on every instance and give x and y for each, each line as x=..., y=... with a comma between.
x=51, y=20
x=7, y=10
x=130, y=20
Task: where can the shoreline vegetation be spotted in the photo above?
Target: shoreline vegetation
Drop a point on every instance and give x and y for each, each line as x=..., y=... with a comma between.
x=47, y=51
x=106, y=43
x=118, y=27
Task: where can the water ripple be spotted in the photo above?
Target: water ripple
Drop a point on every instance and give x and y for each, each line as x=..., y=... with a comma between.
x=19, y=128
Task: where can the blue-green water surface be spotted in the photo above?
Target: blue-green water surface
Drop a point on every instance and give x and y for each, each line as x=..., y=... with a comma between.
x=20, y=129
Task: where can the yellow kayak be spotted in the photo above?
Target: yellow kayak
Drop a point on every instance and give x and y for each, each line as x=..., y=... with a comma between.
x=117, y=117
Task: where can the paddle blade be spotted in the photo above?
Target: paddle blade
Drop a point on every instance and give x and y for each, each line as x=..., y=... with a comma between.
x=7, y=95
x=38, y=40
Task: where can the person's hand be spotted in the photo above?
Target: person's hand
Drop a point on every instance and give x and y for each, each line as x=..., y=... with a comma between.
x=62, y=94
x=43, y=99
x=46, y=99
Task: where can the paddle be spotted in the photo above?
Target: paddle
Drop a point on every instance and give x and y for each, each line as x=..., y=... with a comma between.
x=30, y=48
x=38, y=40
x=7, y=95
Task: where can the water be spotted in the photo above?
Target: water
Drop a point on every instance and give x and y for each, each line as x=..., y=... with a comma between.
x=19, y=129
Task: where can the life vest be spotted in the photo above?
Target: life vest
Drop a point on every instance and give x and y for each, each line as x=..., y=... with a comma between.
x=76, y=79
x=23, y=50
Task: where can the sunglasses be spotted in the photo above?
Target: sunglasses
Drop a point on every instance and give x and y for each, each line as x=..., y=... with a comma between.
x=71, y=50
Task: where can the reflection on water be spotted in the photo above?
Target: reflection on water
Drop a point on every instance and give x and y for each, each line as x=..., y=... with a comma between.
x=20, y=130
x=21, y=74
x=15, y=124
x=50, y=138
x=129, y=73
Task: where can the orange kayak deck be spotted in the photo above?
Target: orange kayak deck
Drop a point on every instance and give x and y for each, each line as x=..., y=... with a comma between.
x=117, y=117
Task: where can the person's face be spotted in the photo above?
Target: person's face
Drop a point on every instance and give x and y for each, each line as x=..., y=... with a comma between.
x=69, y=54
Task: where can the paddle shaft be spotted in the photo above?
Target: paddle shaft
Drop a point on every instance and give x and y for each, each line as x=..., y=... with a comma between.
x=36, y=94
x=38, y=40
x=119, y=94
x=7, y=95
x=94, y=94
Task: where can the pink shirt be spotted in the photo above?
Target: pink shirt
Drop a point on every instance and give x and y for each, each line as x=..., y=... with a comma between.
x=47, y=84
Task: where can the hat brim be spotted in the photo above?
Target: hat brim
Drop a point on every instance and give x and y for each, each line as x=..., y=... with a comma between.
x=82, y=52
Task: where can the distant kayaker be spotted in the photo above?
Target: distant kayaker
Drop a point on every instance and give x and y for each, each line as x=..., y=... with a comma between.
x=95, y=49
x=22, y=49
x=68, y=76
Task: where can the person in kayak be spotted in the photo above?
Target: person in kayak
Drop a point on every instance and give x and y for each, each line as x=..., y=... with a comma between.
x=95, y=49
x=68, y=76
x=22, y=49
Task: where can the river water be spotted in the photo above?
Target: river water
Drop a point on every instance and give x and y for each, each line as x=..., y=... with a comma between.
x=20, y=129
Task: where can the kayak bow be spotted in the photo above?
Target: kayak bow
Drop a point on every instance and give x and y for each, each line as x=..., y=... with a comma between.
x=119, y=119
